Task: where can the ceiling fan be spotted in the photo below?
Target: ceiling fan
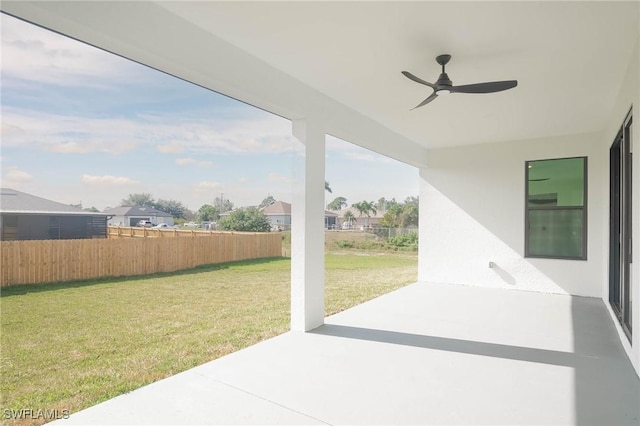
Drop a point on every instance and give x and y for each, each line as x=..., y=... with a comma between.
x=445, y=86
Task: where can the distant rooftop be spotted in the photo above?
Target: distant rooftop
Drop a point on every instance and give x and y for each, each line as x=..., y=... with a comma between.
x=277, y=208
x=136, y=211
x=284, y=208
x=13, y=201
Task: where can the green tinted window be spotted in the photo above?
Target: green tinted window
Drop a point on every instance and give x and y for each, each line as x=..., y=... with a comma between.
x=556, y=208
x=556, y=182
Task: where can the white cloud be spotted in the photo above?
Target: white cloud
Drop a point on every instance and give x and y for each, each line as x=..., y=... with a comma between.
x=33, y=53
x=184, y=161
x=172, y=147
x=108, y=180
x=14, y=174
x=193, y=161
x=32, y=56
x=71, y=147
x=278, y=178
x=69, y=134
x=89, y=145
x=251, y=133
x=203, y=187
x=169, y=134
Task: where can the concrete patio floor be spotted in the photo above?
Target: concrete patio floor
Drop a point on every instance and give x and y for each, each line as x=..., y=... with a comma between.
x=424, y=354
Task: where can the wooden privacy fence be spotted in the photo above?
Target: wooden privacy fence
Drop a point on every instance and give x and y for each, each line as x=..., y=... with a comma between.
x=45, y=261
x=137, y=232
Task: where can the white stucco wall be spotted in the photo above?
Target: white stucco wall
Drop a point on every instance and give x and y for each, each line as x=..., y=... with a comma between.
x=472, y=212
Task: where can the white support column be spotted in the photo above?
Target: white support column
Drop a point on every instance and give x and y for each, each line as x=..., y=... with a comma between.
x=422, y=225
x=307, y=228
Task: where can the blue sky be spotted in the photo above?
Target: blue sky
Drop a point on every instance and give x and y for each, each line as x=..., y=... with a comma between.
x=80, y=125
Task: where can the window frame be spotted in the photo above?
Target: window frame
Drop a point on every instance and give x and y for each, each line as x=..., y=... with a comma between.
x=583, y=208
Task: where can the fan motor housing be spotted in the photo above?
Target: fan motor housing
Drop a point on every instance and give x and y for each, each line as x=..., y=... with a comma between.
x=444, y=80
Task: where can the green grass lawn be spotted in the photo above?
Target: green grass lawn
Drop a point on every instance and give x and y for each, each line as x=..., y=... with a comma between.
x=72, y=345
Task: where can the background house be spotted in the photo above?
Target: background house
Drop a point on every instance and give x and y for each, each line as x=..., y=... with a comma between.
x=279, y=214
x=131, y=215
x=28, y=217
x=330, y=219
x=358, y=222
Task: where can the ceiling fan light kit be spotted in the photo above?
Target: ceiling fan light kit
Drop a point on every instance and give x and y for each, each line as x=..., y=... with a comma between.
x=444, y=85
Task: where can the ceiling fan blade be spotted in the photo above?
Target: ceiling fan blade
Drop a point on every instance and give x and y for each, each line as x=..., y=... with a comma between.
x=418, y=80
x=426, y=101
x=491, y=87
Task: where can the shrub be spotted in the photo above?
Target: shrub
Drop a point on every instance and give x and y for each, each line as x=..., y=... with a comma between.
x=345, y=244
x=406, y=240
x=248, y=220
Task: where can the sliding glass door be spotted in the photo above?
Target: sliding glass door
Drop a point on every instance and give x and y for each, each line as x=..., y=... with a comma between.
x=620, y=244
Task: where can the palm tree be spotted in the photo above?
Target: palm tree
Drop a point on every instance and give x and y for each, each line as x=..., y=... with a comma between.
x=358, y=206
x=327, y=187
x=365, y=208
x=370, y=208
x=337, y=204
x=349, y=217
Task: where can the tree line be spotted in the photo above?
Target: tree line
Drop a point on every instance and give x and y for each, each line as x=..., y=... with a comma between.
x=396, y=214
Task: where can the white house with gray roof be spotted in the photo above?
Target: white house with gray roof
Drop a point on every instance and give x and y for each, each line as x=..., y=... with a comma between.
x=131, y=215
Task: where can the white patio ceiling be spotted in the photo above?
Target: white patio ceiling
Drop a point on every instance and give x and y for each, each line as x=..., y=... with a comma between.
x=341, y=61
x=568, y=57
